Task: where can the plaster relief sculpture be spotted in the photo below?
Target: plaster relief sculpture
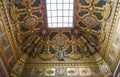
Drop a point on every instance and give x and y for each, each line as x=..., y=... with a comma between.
x=60, y=71
x=60, y=54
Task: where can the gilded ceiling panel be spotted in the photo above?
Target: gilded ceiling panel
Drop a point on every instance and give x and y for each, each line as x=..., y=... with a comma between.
x=37, y=39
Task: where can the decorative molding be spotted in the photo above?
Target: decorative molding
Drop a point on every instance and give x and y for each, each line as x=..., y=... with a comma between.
x=9, y=31
x=62, y=71
x=112, y=31
x=64, y=64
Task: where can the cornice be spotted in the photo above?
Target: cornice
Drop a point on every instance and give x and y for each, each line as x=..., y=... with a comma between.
x=112, y=31
x=9, y=30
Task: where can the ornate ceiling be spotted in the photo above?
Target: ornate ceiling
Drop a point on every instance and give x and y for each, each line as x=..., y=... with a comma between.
x=85, y=38
x=80, y=44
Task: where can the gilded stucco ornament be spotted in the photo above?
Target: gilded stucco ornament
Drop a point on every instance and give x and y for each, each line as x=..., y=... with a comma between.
x=107, y=10
x=37, y=40
x=90, y=1
x=17, y=68
x=75, y=56
x=26, y=24
x=14, y=14
x=46, y=55
x=89, y=46
x=60, y=42
x=37, y=71
x=84, y=40
x=60, y=71
x=90, y=20
x=29, y=34
x=30, y=21
x=23, y=2
x=50, y=72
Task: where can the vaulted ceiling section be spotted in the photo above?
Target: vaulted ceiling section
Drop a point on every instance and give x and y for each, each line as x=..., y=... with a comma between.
x=86, y=36
x=82, y=43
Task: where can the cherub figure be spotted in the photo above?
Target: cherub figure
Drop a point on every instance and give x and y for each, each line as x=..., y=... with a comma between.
x=60, y=54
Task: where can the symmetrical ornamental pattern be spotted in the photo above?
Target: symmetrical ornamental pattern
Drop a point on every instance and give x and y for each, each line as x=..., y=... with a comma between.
x=84, y=39
x=36, y=39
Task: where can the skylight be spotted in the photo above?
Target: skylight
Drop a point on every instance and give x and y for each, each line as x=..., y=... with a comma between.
x=60, y=13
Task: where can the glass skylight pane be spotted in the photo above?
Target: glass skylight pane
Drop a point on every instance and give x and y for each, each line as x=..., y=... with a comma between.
x=53, y=1
x=65, y=24
x=49, y=20
x=66, y=6
x=59, y=1
x=48, y=1
x=54, y=13
x=59, y=13
x=71, y=7
x=66, y=1
x=71, y=1
x=54, y=25
x=65, y=19
x=54, y=19
x=49, y=25
x=49, y=13
x=70, y=19
x=59, y=6
x=70, y=25
x=60, y=19
x=48, y=6
x=53, y=7
x=70, y=13
x=66, y=13
x=60, y=25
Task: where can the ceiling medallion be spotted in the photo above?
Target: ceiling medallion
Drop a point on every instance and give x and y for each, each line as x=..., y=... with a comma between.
x=60, y=42
x=30, y=21
x=60, y=71
x=90, y=20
